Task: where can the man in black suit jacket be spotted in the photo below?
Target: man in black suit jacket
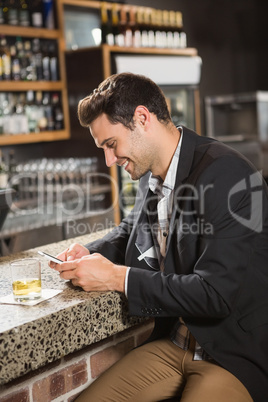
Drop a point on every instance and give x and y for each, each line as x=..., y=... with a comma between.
x=193, y=254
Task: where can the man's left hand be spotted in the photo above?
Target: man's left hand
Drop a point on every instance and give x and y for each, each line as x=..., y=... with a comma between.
x=94, y=273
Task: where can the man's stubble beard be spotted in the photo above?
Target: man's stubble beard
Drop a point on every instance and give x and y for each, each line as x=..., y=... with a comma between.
x=142, y=163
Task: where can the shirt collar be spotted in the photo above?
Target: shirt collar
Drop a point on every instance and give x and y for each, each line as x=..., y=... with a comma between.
x=164, y=188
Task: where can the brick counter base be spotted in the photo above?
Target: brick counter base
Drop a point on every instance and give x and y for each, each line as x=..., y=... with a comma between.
x=64, y=379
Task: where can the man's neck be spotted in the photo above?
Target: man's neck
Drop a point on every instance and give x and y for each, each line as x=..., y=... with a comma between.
x=169, y=148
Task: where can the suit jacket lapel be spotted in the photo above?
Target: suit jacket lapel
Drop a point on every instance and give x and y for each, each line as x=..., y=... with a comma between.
x=145, y=241
x=184, y=167
x=141, y=246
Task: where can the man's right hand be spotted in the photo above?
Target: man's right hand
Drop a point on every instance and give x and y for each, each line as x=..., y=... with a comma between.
x=73, y=252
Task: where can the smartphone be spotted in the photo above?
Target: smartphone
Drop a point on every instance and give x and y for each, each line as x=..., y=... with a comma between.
x=50, y=257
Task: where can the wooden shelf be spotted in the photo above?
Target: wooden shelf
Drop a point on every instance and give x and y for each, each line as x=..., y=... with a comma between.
x=86, y=3
x=44, y=136
x=31, y=32
x=83, y=3
x=152, y=50
x=98, y=4
x=17, y=86
x=141, y=50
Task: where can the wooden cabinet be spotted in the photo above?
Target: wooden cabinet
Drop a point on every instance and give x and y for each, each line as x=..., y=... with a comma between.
x=48, y=86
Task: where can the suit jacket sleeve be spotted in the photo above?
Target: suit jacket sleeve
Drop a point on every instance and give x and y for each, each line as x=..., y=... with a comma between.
x=207, y=281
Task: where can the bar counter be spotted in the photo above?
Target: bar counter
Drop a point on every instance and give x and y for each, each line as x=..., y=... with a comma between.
x=33, y=336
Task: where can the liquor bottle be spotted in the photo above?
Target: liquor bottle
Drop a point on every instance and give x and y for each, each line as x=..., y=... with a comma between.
x=24, y=128
x=31, y=112
x=180, y=30
x=158, y=31
x=6, y=59
x=183, y=39
x=22, y=58
x=168, y=29
x=144, y=27
x=53, y=61
x=176, y=31
x=136, y=33
x=124, y=35
x=104, y=23
x=37, y=60
x=1, y=65
x=122, y=38
x=149, y=22
x=7, y=109
x=24, y=14
x=15, y=64
x=2, y=113
x=48, y=14
x=11, y=123
x=57, y=112
x=172, y=28
x=164, y=23
x=41, y=117
x=13, y=12
x=37, y=13
x=2, y=18
x=5, y=10
x=30, y=68
x=153, y=16
x=129, y=29
x=3, y=172
x=11, y=163
x=45, y=62
x=12, y=172
x=115, y=37
x=19, y=117
x=47, y=106
x=139, y=23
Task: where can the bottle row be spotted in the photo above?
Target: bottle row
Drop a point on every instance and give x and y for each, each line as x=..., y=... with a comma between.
x=28, y=60
x=46, y=181
x=60, y=171
x=35, y=13
x=142, y=27
x=30, y=112
x=6, y=169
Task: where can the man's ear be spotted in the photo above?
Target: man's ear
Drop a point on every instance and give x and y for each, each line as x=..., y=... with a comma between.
x=142, y=117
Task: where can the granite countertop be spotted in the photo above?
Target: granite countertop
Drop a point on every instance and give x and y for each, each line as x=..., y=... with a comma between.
x=33, y=336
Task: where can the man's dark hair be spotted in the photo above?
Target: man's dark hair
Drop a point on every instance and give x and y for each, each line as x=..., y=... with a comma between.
x=119, y=95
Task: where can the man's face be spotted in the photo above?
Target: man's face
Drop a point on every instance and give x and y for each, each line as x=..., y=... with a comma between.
x=125, y=147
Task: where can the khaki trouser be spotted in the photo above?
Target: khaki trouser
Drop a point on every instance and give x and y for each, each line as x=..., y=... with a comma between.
x=160, y=370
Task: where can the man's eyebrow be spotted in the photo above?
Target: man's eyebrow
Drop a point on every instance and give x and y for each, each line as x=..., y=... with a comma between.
x=104, y=142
